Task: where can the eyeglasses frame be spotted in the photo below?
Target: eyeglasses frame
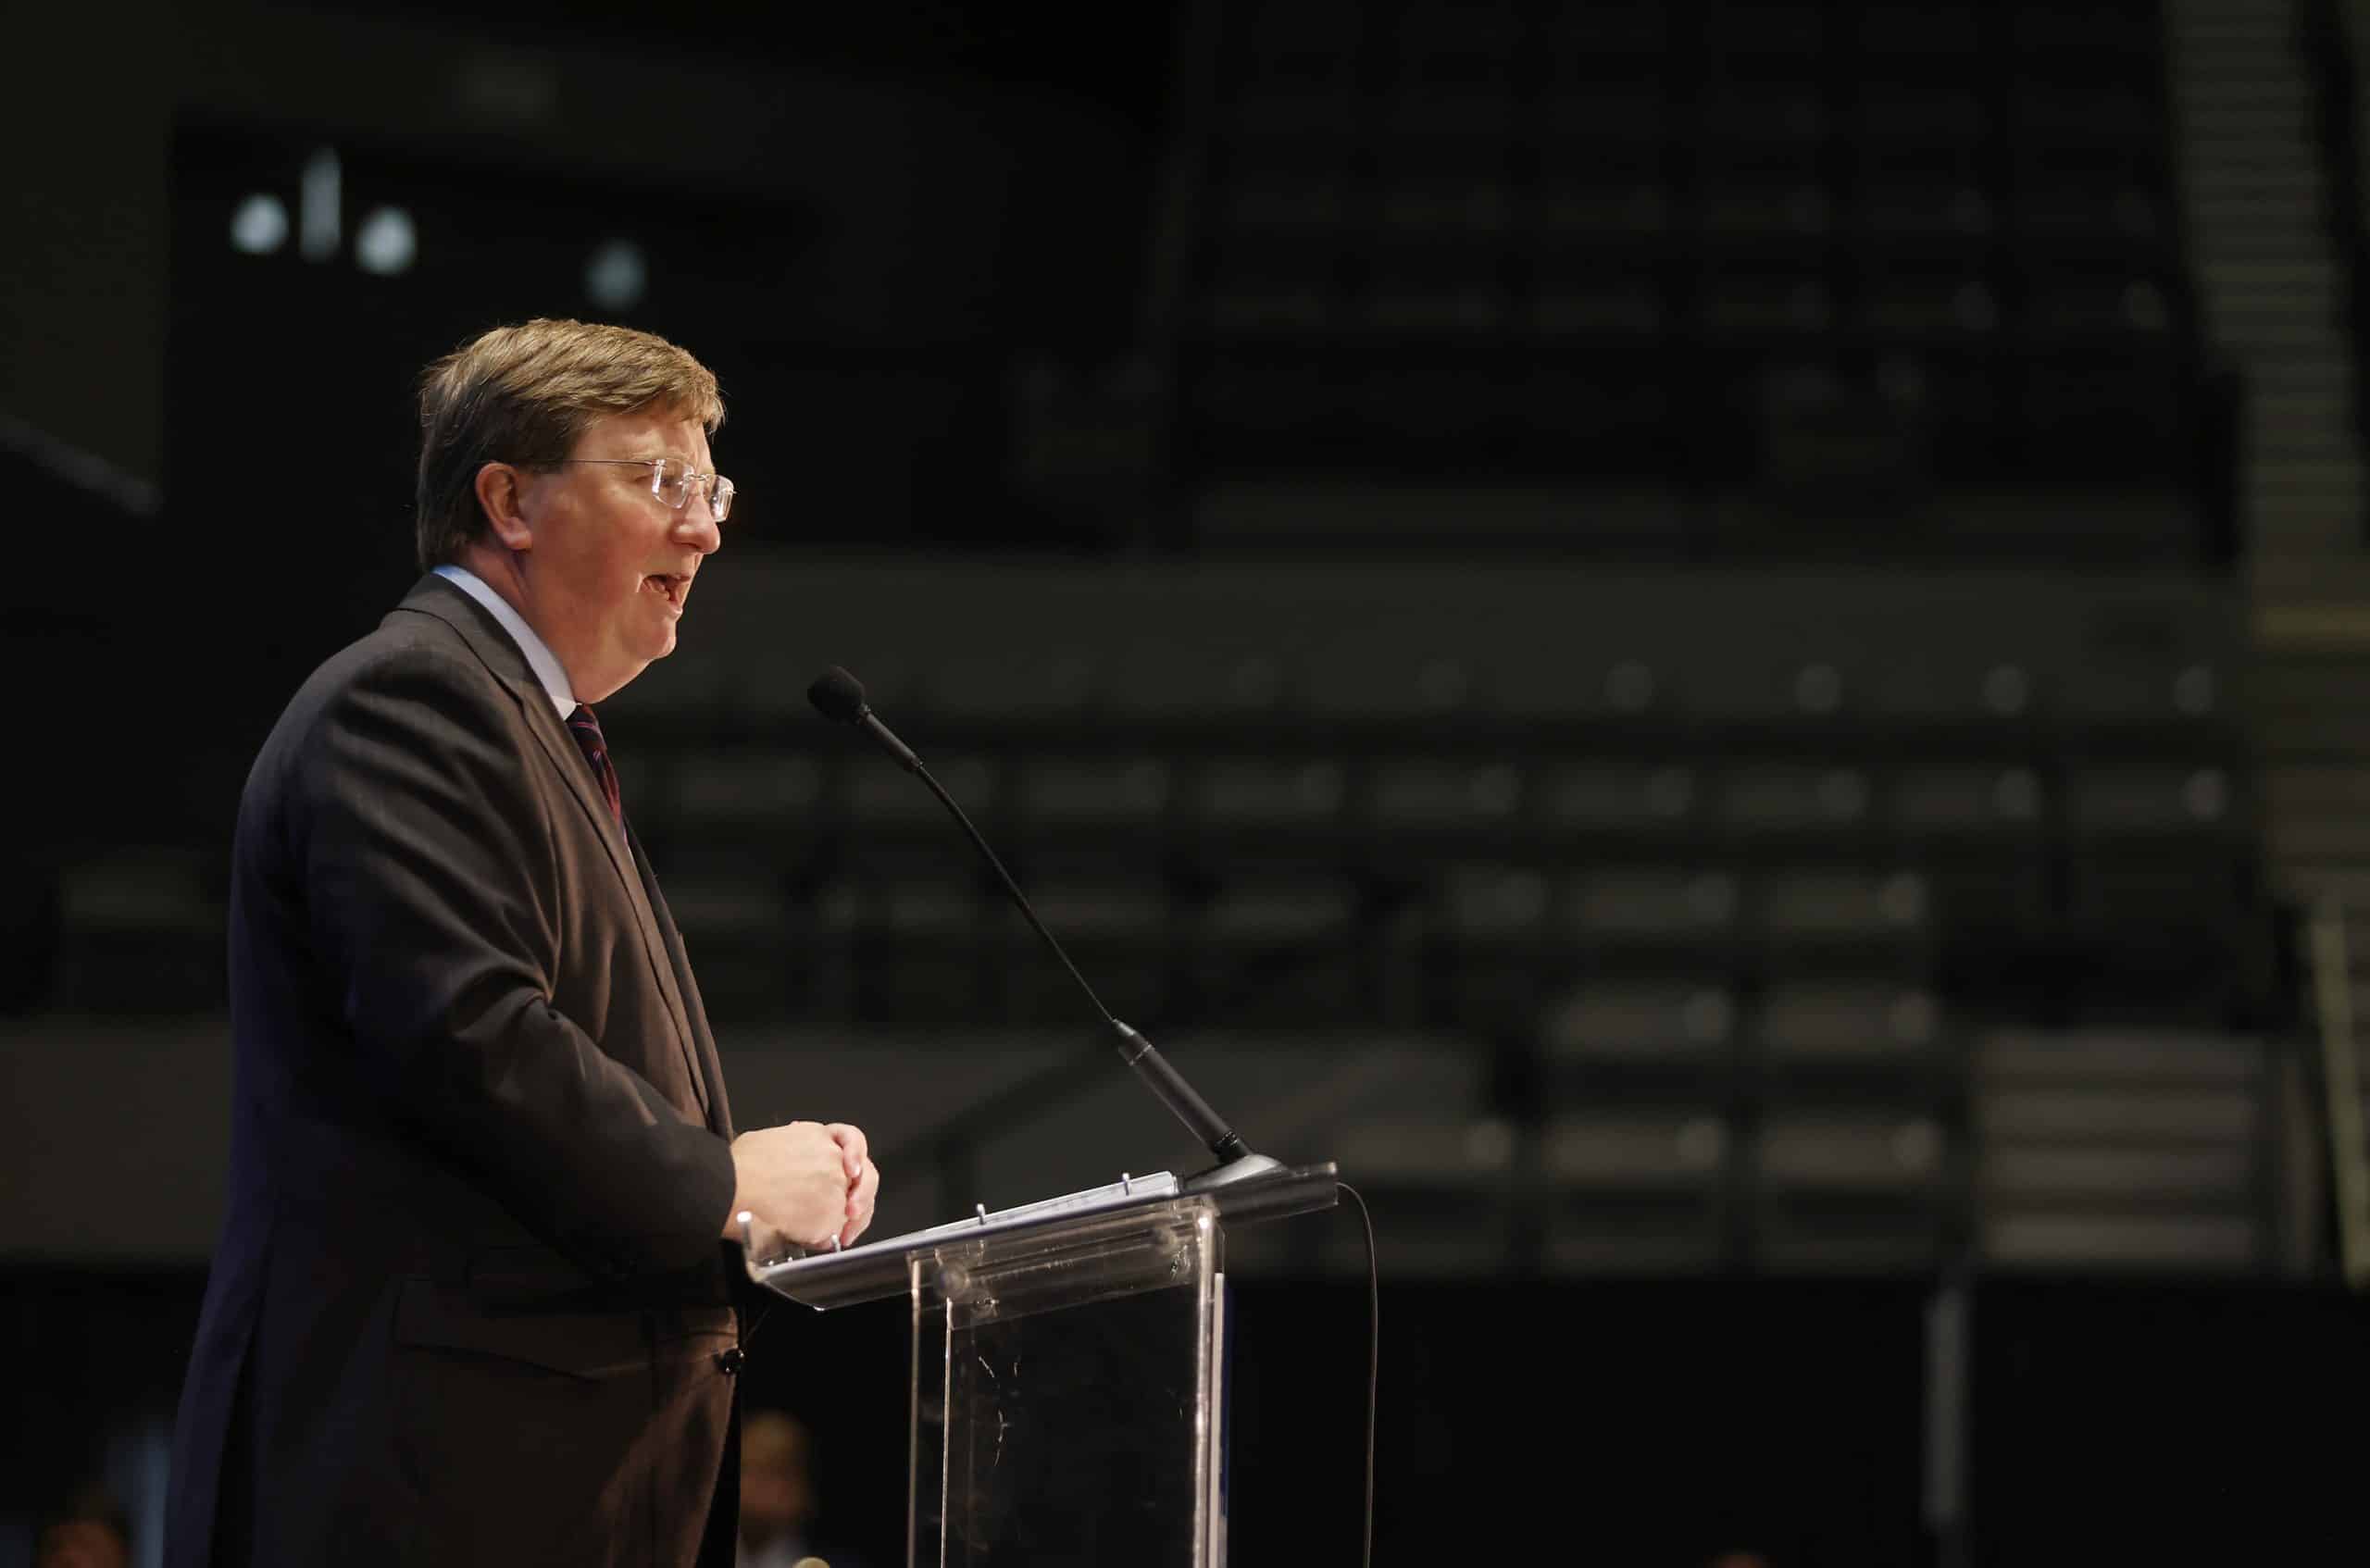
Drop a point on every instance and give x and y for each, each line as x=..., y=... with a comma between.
x=720, y=491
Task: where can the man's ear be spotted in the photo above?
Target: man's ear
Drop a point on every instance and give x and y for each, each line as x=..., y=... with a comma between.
x=502, y=497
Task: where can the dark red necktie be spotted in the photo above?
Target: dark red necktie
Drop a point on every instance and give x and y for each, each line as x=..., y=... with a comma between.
x=586, y=728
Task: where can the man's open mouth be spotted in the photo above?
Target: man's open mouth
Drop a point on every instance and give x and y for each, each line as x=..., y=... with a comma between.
x=672, y=587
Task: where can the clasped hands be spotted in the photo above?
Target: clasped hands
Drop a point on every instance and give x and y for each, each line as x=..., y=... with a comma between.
x=810, y=1182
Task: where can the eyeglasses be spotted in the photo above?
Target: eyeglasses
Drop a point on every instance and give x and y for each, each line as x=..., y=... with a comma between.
x=671, y=480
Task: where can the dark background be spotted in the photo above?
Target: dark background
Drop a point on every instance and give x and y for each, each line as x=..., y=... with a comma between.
x=1708, y=640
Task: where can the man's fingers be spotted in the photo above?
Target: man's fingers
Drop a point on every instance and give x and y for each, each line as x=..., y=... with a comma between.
x=766, y=1243
x=857, y=1225
x=851, y=1144
x=860, y=1199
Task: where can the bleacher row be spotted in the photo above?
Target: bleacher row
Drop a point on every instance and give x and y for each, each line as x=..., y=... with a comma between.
x=1447, y=799
x=1694, y=242
x=1337, y=874
x=1829, y=671
x=2037, y=1149
x=1551, y=806
x=1588, y=958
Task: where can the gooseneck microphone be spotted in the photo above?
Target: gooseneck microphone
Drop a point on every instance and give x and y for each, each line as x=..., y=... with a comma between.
x=839, y=696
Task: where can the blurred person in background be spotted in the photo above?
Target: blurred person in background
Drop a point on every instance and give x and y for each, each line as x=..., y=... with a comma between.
x=777, y=1503
x=91, y=1531
x=472, y=1301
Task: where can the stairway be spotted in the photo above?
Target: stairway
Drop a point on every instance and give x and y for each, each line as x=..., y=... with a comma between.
x=2257, y=192
x=2106, y=1149
x=2254, y=192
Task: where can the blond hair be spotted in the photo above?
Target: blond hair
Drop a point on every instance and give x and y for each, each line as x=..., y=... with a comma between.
x=524, y=394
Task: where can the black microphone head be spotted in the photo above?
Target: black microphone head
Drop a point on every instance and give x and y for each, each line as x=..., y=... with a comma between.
x=837, y=695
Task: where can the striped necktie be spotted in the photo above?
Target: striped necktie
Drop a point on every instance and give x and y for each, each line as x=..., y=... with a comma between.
x=586, y=728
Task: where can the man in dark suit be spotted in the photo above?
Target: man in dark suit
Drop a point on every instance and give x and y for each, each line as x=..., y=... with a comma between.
x=472, y=1300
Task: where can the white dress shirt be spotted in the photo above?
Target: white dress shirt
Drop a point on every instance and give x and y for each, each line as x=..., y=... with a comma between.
x=542, y=660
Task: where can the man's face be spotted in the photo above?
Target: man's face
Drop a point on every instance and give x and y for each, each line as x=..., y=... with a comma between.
x=610, y=565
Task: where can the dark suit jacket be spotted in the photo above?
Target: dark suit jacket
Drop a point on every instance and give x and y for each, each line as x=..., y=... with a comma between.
x=469, y=1296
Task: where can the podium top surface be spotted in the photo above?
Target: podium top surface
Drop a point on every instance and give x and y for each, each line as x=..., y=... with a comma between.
x=880, y=1268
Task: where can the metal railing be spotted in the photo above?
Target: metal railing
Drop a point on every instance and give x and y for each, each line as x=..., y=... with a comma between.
x=2341, y=1080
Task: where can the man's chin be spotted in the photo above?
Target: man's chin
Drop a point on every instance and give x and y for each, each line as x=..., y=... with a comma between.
x=624, y=675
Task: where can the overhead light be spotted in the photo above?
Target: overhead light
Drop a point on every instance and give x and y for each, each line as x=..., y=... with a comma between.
x=260, y=226
x=316, y=234
x=617, y=276
x=385, y=243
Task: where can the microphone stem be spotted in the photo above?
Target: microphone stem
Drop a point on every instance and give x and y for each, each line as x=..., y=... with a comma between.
x=1011, y=890
x=1138, y=1052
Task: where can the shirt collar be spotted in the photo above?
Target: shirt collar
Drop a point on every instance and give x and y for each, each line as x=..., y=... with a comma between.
x=541, y=659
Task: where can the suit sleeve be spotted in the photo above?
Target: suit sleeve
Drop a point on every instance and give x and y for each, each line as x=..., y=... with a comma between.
x=429, y=871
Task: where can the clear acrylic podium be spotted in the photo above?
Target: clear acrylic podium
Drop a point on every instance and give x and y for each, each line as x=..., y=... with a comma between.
x=1068, y=1396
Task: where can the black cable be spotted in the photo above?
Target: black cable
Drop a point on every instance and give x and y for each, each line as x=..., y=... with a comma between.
x=1373, y=1358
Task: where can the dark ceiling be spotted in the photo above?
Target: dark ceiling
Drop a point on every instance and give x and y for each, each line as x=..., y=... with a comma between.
x=1116, y=56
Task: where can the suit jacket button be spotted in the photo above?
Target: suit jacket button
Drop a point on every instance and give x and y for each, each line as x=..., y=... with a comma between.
x=728, y=1362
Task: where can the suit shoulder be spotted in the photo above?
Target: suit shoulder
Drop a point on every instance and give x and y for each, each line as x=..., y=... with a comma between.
x=412, y=664
x=409, y=653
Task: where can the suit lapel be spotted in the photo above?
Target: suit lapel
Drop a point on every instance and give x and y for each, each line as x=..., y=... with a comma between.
x=719, y=1107
x=503, y=658
x=570, y=761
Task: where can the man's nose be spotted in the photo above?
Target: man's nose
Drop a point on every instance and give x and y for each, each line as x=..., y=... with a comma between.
x=696, y=526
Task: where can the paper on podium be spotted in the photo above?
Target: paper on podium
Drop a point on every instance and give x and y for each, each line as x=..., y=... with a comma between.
x=831, y=1278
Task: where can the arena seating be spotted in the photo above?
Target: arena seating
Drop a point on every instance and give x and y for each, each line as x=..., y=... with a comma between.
x=1716, y=925
x=1832, y=257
